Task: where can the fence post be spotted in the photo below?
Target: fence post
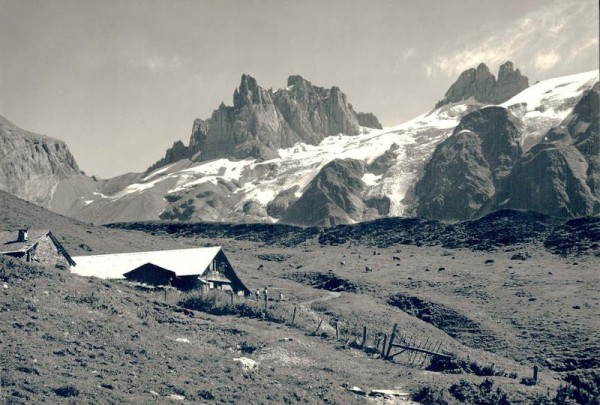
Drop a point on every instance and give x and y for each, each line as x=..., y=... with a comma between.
x=389, y=348
x=337, y=333
x=294, y=315
x=165, y=290
x=364, y=338
x=266, y=302
x=535, y=374
x=231, y=297
x=318, y=326
x=383, y=346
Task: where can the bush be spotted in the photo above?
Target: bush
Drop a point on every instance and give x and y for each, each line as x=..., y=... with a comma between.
x=218, y=303
x=429, y=395
x=482, y=394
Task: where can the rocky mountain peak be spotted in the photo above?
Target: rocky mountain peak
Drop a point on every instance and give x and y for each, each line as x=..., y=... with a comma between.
x=481, y=84
x=250, y=92
x=297, y=79
x=261, y=122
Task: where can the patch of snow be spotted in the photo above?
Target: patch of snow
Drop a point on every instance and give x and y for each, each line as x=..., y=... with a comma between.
x=371, y=179
x=158, y=171
x=88, y=202
x=247, y=363
x=182, y=340
x=177, y=397
x=547, y=103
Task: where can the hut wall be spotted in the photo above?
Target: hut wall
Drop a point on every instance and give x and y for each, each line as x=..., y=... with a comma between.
x=187, y=283
x=151, y=274
x=45, y=252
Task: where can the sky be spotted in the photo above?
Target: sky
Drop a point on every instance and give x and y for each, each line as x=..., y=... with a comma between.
x=121, y=80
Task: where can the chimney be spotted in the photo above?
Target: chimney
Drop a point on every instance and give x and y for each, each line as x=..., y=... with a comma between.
x=22, y=235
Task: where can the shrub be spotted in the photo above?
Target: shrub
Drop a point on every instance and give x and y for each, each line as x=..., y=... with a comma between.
x=429, y=395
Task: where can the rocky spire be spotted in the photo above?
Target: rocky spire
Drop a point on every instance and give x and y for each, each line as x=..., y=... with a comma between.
x=481, y=84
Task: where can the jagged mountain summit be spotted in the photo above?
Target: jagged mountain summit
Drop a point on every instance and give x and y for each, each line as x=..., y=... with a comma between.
x=481, y=84
x=261, y=122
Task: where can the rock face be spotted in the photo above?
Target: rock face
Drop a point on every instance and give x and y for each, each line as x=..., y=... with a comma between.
x=262, y=121
x=333, y=197
x=482, y=85
x=559, y=176
x=468, y=169
x=175, y=153
x=368, y=120
x=32, y=165
x=480, y=167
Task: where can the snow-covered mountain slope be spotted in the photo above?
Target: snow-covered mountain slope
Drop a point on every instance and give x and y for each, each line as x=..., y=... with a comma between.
x=546, y=104
x=251, y=190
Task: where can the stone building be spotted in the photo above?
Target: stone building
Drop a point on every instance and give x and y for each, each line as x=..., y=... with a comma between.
x=35, y=246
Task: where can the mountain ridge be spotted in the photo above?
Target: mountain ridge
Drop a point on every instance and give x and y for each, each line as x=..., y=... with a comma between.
x=262, y=121
x=349, y=178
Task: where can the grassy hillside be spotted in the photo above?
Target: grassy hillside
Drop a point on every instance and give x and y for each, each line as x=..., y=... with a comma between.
x=499, y=305
x=79, y=238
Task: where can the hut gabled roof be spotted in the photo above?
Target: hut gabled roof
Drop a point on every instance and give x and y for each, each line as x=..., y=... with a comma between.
x=10, y=244
x=184, y=262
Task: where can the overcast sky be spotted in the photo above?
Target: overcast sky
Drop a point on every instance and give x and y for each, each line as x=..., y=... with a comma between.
x=121, y=80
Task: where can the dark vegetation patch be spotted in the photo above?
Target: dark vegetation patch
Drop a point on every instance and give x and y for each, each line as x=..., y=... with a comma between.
x=181, y=212
x=270, y=234
x=455, y=365
x=464, y=392
x=499, y=229
x=463, y=329
x=66, y=391
x=386, y=232
x=575, y=237
x=15, y=269
x=173, y=197
x=324, y=281
x=584, y=387
x=273, y=257
x=217, y=304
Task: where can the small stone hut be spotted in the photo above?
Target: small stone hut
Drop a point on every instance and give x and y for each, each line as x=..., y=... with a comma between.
x=35, y=246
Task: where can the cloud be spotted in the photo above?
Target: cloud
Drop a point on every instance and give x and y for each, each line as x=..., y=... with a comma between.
x=408, y=53
x=546, y=60
x=428, y=70
x=557, y=35
x=159, y=64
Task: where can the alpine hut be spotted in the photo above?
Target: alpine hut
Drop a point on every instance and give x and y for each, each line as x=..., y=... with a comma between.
x=186, y=269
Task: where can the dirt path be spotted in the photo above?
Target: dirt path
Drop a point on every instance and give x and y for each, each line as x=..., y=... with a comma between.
x=330, y=295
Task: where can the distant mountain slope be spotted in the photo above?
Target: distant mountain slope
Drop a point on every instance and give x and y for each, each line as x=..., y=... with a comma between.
x=392, y=161
x=32, y=165
x=77, y=237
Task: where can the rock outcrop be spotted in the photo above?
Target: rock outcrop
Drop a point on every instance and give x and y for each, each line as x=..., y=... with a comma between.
x=32, y=165
x=481, y=84
x=333, y=197
x=368, y=120
x=560, y=175
x=262, y=121
x=481, y=168
x=468, y=169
